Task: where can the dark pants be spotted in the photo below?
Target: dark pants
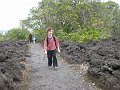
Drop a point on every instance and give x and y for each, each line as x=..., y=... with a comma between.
x=51, y=54
x=30, y=40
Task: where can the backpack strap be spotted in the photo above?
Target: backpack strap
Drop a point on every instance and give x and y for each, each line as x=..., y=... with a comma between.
x=55, y=41
x=47, y=41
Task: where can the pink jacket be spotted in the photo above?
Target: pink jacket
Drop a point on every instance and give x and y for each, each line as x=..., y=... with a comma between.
x=51, y=44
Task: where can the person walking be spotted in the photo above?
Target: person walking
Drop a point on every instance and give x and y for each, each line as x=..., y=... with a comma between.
x=30, y=38
x=51, y=46
x=34, y=38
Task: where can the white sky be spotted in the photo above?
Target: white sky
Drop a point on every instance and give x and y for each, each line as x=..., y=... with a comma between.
x=117, y=1
x=12, y=11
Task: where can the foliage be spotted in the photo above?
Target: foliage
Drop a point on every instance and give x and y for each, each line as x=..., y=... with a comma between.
x=41, y=34
x=75, y=20
x=1, y=36
x=83, y=37
x=17, y=34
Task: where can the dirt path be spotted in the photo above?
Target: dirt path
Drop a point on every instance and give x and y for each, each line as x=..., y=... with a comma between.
x=66, y=77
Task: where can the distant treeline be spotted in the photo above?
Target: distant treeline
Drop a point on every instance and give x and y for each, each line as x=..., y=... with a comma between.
x=74, y=20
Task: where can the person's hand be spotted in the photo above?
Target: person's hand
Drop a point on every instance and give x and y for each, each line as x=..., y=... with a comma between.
x=45, y=52
x=58, y=50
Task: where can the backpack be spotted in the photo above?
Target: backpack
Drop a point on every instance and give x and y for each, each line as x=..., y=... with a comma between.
x=54, y=41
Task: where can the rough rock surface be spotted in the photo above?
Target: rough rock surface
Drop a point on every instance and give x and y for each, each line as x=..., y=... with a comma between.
x=103, y=58
x=11, y=54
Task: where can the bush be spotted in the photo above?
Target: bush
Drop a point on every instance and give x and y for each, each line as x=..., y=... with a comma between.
x=17, y=34
x=83, y=36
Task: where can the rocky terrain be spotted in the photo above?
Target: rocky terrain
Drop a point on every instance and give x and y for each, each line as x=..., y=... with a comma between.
x=103, y=58
x=12, y=56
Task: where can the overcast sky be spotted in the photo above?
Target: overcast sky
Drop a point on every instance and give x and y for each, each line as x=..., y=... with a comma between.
x=117, y=1
x=12, y=11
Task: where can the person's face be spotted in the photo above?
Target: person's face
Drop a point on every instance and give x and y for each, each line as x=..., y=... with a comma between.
x=50, y=33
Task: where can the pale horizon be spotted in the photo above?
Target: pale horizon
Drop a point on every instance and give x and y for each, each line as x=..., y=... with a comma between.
x=12, y=11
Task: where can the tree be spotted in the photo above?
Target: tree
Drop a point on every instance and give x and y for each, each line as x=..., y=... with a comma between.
x=74, y=16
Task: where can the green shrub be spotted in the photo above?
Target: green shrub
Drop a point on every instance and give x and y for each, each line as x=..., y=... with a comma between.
x=82, y=36
x=17, y=34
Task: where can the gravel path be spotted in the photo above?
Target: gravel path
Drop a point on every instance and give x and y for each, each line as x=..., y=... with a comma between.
x=65, y=77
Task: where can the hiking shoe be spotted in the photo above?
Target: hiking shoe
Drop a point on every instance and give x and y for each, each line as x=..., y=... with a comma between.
x=55, y=67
